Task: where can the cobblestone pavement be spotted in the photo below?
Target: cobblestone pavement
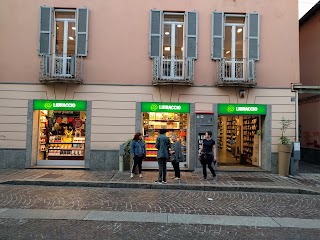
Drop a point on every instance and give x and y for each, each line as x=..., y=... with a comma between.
x=161, y=201
x=242, y=179
x=71, y=229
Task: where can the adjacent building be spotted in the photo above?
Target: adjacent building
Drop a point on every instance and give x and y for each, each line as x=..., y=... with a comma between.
x=309, y=100
x=79, y=78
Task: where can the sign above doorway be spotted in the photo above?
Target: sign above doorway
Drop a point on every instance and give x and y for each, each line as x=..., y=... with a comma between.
x=165, y=107
x=62, y=105
x=242, y=109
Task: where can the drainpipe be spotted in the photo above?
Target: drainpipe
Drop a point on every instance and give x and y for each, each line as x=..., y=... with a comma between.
x=296, y=108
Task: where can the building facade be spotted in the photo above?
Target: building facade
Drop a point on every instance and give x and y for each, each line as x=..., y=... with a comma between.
x=309, y=99
x=80, y=78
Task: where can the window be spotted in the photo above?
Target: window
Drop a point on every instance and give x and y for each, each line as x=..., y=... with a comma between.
x=63, y=38
x=72, y=24
x=173, y=43
x=235, y=43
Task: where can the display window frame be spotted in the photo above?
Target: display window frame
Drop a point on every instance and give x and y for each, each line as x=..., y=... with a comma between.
x=175, y=118
x=59, y=132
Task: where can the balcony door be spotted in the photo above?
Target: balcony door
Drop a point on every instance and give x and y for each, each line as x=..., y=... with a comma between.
x=234, y=48
x=173, y=47
x=65, y=44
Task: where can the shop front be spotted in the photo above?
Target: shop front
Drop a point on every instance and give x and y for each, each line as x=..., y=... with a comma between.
x=174, y=118
x=60, y=132
x=239, y=134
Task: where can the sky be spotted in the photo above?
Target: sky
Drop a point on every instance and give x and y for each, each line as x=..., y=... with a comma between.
x=305, y=5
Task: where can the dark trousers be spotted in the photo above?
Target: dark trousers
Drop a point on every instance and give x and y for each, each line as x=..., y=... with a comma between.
x=162, y=169
x=137, y=161
x=176, y=168
x=204, y=168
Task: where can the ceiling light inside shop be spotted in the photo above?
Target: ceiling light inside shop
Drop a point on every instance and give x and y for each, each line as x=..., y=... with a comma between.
x=73, y=28
x=167, y=48
x=166, y=33
x=239, y=30
x=179, y=25
x=57, y=27
x=227, y=52
x=71, y=38
x=182, y=49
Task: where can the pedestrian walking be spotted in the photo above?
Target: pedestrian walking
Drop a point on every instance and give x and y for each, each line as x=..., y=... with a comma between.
x=207, y=154
x=163, y=145
x=138, y=153
x=176, y=156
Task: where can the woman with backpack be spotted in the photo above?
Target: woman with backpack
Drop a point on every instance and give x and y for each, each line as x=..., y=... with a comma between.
x=138, y=153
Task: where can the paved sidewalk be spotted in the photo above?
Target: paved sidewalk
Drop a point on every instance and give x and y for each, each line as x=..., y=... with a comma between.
x=168, y=218
x=226, y=181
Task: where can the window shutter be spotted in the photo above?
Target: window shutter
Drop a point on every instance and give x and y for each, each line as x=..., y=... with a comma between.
x=217, y=35
x=45, y=30
x=155, y=33
x=253, y=36
x=82, y=32
x=192, y=35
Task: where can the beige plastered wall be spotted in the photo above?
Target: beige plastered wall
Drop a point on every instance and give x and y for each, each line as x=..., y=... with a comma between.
x=119, y=39
x=114, y=108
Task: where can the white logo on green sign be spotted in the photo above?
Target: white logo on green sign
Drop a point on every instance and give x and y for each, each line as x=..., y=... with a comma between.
x=230, y=108
x=48, y=105
x=154, y=107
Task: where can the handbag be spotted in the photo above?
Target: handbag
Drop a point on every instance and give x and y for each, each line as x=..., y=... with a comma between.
x=173, y=158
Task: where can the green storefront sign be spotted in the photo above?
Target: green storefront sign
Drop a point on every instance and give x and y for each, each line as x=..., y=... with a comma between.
x=165, y=107
x=62, y=105
x=242, y=109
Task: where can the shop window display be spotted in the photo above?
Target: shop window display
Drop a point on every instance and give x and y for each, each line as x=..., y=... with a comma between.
x=62, y=135
x=172, y=122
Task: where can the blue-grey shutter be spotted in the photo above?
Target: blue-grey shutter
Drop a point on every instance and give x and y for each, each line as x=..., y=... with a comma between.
x=45, y=30
x=82, y=32
x=155, y=33
x=47, y=64
x=192, y=35
x=253, y=36
x=217, y=35
x=72, y=65
x=250, y=69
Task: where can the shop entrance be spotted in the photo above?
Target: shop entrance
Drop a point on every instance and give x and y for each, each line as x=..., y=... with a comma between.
x=239, y=140
x=174, y=117
x=239, y=135
x=61, y=132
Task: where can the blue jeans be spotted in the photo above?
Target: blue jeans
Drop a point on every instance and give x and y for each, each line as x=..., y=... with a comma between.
x=162, y=169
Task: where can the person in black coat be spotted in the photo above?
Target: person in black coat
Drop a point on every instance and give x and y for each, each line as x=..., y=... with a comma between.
x=207, y=154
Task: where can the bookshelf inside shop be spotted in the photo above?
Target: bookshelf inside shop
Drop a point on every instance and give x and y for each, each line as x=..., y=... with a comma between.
x=231, y=132
x=173, y=122
x=221, y=133
x=250, y=127
x=238, y=136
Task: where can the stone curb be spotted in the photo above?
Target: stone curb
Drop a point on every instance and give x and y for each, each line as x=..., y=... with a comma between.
x=203, y=187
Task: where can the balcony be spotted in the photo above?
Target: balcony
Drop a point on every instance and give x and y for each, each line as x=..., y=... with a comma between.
x=236, y=72
x=172, y=70
x=61, y=68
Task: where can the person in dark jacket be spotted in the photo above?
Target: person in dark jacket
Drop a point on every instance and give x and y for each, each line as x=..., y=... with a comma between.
x=138, y=153
x=176, y=156
x=163, y=145
x=207, y=154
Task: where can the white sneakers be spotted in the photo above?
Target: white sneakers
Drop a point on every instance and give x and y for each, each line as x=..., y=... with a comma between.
x=131, y=176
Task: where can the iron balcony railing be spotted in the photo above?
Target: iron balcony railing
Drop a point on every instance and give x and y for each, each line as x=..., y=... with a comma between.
x=61, y=68
x=167, y=70
x=236, y=72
